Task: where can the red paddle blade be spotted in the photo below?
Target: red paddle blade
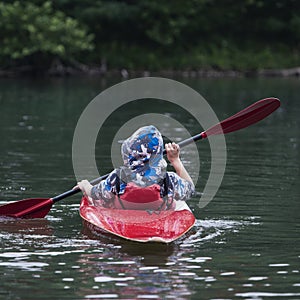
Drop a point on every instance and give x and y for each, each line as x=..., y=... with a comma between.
x=27, y=208
x=246, y=117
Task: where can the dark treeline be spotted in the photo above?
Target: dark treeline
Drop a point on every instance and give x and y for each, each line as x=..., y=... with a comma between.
x=150, y=34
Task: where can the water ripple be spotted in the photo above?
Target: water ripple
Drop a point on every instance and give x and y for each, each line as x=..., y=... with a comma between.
x=207, y=230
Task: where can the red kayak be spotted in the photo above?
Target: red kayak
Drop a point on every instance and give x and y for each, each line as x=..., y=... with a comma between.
x=138, y=225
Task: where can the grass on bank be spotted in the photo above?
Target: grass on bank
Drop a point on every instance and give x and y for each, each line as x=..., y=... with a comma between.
x=200, y=58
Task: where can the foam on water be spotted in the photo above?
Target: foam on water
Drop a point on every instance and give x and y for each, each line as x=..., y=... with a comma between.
x=214, y=229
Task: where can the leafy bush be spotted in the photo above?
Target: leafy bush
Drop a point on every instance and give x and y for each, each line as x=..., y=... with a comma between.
x=27, y=29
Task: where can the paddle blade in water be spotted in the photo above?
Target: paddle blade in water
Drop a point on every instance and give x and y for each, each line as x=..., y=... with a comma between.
x=27, y=208
x=246, y=117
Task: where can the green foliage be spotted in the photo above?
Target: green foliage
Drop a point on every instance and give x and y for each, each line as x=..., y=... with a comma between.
x=155, y=34
x=27, y=29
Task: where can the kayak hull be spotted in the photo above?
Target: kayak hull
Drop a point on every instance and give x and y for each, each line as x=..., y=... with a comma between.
x=138, y=225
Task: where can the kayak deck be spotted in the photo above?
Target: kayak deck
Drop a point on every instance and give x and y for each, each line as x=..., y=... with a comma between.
x=139, y=225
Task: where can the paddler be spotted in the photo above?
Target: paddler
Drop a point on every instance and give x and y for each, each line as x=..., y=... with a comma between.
x=143, y=182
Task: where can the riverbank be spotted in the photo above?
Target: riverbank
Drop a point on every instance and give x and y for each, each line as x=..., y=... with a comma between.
x=134, y=61
x=66, y=71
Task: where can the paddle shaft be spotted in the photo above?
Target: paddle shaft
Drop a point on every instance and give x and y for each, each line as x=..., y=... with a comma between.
x=39, y=207
x=97, y=180
x=246, y=117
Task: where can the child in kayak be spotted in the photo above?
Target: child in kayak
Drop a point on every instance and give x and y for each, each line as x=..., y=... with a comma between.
x=143, y=182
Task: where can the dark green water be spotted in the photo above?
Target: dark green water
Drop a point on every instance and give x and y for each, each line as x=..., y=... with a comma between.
x=245, y=244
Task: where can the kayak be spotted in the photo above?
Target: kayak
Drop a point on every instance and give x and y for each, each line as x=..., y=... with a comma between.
x=138, y=225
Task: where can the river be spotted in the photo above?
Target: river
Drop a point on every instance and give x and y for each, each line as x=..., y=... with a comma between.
x=245, y=243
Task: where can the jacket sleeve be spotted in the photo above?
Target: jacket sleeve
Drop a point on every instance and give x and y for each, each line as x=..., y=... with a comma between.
x=180, y=189
x=105, y=190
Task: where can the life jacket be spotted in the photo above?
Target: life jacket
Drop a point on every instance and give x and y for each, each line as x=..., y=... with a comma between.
x=144, y=198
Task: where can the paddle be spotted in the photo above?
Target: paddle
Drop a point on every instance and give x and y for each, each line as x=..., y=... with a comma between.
x=39, y=207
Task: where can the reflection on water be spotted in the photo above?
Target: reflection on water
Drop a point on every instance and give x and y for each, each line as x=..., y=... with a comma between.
x=143, y=271
x=104, y=267
x=26, y=226
x=109, y=267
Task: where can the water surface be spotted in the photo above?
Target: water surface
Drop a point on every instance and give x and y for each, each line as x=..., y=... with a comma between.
x=245, y=244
